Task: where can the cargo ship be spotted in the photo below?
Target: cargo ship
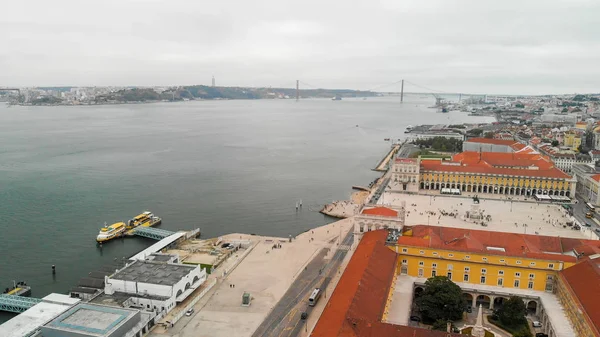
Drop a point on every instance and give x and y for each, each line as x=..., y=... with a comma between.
x=18, y=289
x=110, y=232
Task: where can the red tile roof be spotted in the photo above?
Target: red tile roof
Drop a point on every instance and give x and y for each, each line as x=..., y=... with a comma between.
x=583, y=282
x=596, y=177
x=356, y=306
x=477, y=241
x=515, y=164
x=381, y=211
x=491, y=141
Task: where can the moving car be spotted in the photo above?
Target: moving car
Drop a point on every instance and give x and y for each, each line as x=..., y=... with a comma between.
x=537, y=324
x=189, y=312
x=415, y=318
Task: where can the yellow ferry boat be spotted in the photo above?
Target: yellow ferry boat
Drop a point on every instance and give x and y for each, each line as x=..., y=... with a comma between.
x=146, y=219
x=110, y=232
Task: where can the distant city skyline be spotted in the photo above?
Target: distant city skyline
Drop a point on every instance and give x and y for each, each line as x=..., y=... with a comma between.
x=512, y=47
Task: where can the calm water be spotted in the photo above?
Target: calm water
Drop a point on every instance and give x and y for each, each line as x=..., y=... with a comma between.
x=221, y=166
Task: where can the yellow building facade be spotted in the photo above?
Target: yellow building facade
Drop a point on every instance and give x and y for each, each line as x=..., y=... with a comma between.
x=485, y=269
x=496, y=184
x=572, y=140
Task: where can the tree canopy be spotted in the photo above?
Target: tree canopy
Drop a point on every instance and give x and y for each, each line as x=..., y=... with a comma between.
x=440, y=144
x=512, y=312
x=441, y=300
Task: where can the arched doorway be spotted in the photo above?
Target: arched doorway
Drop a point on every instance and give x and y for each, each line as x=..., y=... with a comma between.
x=468, y=299
x=498, y=302
x=532, y=307
x=485, y=189
x=484, y=300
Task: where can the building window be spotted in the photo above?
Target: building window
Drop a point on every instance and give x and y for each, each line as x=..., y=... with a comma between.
x=484, y=259
x=482, y=280
x=500, y=282
x=517, y=274
x=450, y=255
x=421, y=263
x=449, y=275
x=517, y=282
x=467, y=269
x=518, y=261
x=404, y=261
x=420, y=272
x=450, y=267
x=467, y=257
x=502, y=261
x=435, y=253
x=551, y=265
x=434, y=265
x=404, y=250
x=549, y=278
x=500, y=272
x=530, y=285
x=532, y=264
x=421, y=252
x=433, y=274
x=531, y=275
x=466, y=278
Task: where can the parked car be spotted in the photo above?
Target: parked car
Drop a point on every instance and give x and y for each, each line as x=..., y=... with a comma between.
x=304, y=315
x=587, y=225
x=537, y=324
x=541, y=334
x=189, y=312
x=415, y=318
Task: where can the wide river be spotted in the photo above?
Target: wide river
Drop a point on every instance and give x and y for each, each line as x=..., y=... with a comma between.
x=221, y=166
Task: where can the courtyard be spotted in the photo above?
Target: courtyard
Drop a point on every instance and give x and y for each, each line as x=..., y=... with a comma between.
x=496, y=215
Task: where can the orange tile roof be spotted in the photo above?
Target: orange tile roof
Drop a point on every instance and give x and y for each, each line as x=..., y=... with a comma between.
x=583, y=282
x=515, y=164
x=356, y=306
x=596, y=177
x=491, y=141
x=477, y=241
x=381, y=211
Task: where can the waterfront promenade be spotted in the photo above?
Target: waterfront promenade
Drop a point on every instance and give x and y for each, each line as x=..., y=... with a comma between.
x=265, y=273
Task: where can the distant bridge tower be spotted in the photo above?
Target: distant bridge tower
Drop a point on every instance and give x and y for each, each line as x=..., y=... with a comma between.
x=297, y=90
x=213, y=81
x=402, y=92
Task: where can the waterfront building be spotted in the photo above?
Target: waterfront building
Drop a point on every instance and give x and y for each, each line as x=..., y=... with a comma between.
x=405, y=175
x=374, y=218
x=588, y=182
x=154, y=286
x=497, y=173
x=84, y=319
x=433, y=134
x=578, y=289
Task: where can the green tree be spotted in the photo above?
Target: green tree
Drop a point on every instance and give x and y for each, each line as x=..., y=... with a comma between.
x=441, y=300
x=489, y=135
x=512, y=312
x=476, y=132
x=523, y=333
x=440, y=325
x=555, y=143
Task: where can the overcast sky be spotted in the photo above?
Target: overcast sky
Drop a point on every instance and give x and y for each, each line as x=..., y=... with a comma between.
x=470, y=46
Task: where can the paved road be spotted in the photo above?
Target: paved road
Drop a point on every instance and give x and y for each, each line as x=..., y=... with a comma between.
x=284, y=320
x=579, y=211
x=406, y=150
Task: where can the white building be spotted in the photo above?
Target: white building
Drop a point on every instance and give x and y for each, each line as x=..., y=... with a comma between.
x=374, y=218
x=153, y=285
x=405, y=175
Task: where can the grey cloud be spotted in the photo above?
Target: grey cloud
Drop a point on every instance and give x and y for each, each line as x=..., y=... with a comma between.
x=532, y=46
